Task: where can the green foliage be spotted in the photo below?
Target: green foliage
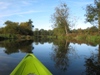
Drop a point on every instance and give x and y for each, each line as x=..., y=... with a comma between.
x=81, y=37
x=25, y=25
x=24, y=28
x=13, y=36
x=11, y=27
x=42, y=33
x=93, y=13
x=60, y=20
x=89, y=30
x=93, y=39
x=36, y=32
x=93, y=29
x=59, y=32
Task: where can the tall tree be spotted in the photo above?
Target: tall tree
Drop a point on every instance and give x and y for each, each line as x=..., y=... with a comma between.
x=60, y=19
x=93, y=13
x=27, y=25
x=30, y=24
x=11, y=27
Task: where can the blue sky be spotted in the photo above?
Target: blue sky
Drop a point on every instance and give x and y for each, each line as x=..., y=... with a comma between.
x=40, y=11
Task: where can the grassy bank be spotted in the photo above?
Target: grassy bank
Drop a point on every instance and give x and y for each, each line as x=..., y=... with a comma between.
x=84, y=38
x=89, y=38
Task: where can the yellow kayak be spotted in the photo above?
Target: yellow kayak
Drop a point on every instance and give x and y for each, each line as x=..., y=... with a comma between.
x=30, y=65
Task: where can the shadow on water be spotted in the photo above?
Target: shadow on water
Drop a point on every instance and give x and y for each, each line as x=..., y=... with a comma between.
x=13, y=46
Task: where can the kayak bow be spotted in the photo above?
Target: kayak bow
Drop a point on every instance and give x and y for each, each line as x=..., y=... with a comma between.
x=30, y=65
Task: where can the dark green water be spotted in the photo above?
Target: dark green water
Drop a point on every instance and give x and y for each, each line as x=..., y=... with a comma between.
x=60, y=57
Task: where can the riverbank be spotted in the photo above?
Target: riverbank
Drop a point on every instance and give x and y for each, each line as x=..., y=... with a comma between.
x=15, y=36
x=87, y=38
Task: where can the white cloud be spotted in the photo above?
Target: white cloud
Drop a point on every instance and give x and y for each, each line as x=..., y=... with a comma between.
x=10, y=8
x=18, y=13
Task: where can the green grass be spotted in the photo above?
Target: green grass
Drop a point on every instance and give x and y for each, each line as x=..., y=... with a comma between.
x=93, y=39
x=85, y=38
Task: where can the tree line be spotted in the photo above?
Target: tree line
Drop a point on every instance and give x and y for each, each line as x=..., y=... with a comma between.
x=23, y=28
x=16, y=29
x=62, y=25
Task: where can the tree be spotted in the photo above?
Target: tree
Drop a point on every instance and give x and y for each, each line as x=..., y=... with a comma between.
x=1, y=30
x=93, y=13
x=26, y=27
x=11, y=27
x=60, y=19
x=30, y=24
x=36, y=32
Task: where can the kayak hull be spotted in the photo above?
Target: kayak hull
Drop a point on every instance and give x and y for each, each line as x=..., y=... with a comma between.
x=30, y=65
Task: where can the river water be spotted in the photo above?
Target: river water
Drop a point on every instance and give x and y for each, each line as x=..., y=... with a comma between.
x=60, y=57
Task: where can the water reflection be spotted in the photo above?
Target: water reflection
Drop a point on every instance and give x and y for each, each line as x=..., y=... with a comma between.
x=93, y=64
x=61, y=49
x=61, y=57
x=42, y=40
x=13, y=46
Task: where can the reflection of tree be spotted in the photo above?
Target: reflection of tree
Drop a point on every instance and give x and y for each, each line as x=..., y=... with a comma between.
x=99, y=54
x=12, y=46
x=93, y=64
x=42, y=40
x=27, y=46
x=59, y=55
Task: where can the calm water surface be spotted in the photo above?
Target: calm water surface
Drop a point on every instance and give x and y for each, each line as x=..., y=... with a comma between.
x=62, y=58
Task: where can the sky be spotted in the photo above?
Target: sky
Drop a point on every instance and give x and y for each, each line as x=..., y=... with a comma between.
x=40, y=11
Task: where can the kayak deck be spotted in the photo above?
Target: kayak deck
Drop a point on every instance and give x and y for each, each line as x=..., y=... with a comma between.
x=30, y=65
